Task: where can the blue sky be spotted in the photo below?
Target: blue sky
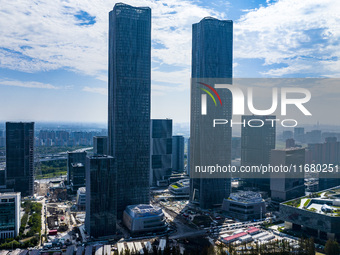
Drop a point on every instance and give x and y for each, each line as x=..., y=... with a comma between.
x=53, y=54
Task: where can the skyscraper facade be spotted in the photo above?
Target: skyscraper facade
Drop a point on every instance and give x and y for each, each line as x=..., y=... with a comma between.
x=100, y=145
x=299, y=134
x=9, y=214
x=75, y=158
x=327, y=154
x=2, y=139
x=101, y=196
x=20, y=157
x=78, y=176
x=178, y=153
x=188, y=158
x=256, y=145
x=129, y=101
x=290, y=185
x=161, y=151
x=212, y=47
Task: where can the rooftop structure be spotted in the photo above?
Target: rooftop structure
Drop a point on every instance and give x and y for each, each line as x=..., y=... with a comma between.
x=143, y=218
x=81, y=198
x=246, y=197
x=182, y=187
x=317, y=213
x=140, y=211
x=245, y=205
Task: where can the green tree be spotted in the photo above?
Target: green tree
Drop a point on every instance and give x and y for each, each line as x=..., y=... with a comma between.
x=332, y=248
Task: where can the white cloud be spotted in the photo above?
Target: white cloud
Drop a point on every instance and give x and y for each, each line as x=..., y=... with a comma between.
x=27, y=84
x=303, y=35
x=45, y=35
x=102, y=91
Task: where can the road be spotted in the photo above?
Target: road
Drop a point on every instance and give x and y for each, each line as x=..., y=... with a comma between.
x=183, y=230
x=43, y=220
x=47, y=180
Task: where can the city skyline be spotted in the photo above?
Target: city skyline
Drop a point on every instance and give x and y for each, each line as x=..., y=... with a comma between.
x=49, y=68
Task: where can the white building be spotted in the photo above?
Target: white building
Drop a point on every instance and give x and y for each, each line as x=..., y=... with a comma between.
x=245, y=205
x=9, y=214
x=144, y=218
x=180, y=188
x=81, y=198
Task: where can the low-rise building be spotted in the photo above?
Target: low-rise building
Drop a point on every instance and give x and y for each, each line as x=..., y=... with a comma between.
x=233, y=238
x=180, y=188
x=144, y=218
x=318, y=214
x=9, y=214
x=81, y=198
x=245, y=205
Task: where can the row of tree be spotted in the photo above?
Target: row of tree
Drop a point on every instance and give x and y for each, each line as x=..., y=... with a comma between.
x=282, y=247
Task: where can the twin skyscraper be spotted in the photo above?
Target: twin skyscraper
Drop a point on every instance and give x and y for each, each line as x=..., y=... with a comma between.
x=129, y=111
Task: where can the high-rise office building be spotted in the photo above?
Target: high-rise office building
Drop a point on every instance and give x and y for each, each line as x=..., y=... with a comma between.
x=2, y=179
x=188, y=158
x=129, y=102
x=161, y=151
x=313, y=136
x=100, y=144
x=101, y=196
x=287, y=134
x=78, y=176
x=178, y=153
x=330, y=157
x=9, y=215
x=236, y=148
x=287, y=185
x=299, y=134
x=256, y=145
x=327, y=154
x=324, y=153
x=212, y=51
x=290, y=143
x=2, y=139
x=20, y=157
x=74, y=158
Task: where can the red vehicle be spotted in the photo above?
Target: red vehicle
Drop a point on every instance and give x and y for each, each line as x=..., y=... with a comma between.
x=53, y=232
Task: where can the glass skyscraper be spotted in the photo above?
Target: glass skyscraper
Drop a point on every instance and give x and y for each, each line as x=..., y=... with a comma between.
x=75, y=158
x=129, y=101
x=212, y=54
x=78, y=176
x=178, y=153
x=161, y=151
x=100, y=145
x=287, y=185
x=101, y=196
x=256, y=145
x=20, y=157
